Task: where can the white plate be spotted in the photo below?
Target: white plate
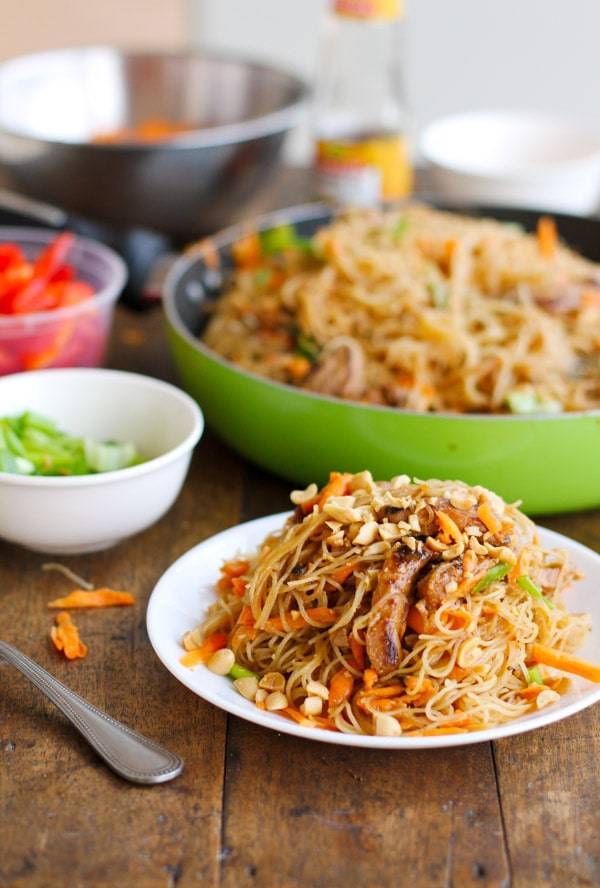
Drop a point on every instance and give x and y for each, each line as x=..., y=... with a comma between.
x=184, y=592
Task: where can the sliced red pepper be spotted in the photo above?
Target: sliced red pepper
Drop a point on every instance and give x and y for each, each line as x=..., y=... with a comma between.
x=10, y=254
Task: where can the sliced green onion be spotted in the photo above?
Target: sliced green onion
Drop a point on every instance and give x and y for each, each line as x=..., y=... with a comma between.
x=108, y=457
x=307, y=346
x=399, y=228
x=527, y=400
x=238, y=671
x=494, y=573
x=16, y=465
x=31, y=444
x=529, y=586
x=262, y=277
x=275, y=240
x=534, y=676
x=439, y=293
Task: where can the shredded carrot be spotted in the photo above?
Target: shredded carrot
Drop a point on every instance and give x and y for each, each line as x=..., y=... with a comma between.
x=458, y=618
x=450, y=248
x=245, y=618
x=235, y=568
x=346, y=570
x=212, y=643
x=325, y=616
x=296, y=716
x=458, y=673
x=547, y=237
x=358, y=652
x=103, y=597
x=65, y=637
x=590, y=299
x=519, y=567
x=392, y=690
x=336, y=486
x=384, y=704
x=566, y=662
x=340, y=689
x=224, y=584
x=247, y=252
x=298, y=367
x=485, y=513
x=239, y=586
x=417, y=620
x=449, y=528
x=369, y=678
x=532, y=691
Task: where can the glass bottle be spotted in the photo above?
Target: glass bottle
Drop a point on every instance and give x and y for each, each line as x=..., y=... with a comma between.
x=361, y=153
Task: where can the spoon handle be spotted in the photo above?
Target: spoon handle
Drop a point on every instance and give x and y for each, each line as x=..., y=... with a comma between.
x=131, y=755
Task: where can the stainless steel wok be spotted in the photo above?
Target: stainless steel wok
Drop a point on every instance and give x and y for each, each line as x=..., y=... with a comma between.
x=53, y=103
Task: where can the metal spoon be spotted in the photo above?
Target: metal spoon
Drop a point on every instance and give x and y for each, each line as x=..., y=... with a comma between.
x=131, y=755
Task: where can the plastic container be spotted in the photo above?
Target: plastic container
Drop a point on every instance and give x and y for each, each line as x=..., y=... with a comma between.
x=65, y=337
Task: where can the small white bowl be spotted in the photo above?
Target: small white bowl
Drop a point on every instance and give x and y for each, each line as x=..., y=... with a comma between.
x=514, y=158
x=72, y=515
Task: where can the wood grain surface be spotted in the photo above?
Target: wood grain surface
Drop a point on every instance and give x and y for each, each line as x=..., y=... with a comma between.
x=253, y=807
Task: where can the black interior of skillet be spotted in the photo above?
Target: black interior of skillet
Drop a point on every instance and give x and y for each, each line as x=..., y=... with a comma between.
x=201, y=283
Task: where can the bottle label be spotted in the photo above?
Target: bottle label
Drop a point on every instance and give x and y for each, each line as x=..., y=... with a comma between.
x=369, y=9
x=364, y=171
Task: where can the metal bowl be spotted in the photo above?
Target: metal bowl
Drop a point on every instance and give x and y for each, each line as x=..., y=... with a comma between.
x=53, y=103
x=548, y=461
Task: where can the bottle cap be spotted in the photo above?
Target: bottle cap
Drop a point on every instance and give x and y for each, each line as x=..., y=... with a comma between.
x=370, y=9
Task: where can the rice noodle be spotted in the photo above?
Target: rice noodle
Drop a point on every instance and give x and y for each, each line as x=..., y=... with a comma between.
x=466, y=668
x=424, y=310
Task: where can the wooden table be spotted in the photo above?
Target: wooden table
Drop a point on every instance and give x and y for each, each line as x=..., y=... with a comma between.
x=253, y=807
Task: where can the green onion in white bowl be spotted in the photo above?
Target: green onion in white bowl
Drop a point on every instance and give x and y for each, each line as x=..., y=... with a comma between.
x=32, y=444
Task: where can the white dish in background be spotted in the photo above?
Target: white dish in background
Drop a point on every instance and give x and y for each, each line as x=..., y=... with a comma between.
x=183, y=594
x=514, y=158
x=85, y=513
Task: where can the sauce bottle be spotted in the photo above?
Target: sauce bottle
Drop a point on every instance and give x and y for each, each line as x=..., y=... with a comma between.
x=361, y=155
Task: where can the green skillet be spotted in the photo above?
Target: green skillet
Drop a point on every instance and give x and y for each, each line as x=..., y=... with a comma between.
x=550, y=462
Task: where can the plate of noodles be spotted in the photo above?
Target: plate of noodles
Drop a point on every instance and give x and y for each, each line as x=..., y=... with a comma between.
x=453, y=344
x=399, y=614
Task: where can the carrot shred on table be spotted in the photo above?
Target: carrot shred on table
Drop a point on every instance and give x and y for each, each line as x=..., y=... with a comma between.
x=547, y=237
x=340, y=689
x=65, y=637
x=213, y=643
x=485, y=514
x=449, y=528
x=566, y=662
x=102, y=597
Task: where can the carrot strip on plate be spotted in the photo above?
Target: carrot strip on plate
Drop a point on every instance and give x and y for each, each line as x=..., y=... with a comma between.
x=566, y=662
x=213, y=643
x=103, y=597
x=325, y=616
x=340, y=688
